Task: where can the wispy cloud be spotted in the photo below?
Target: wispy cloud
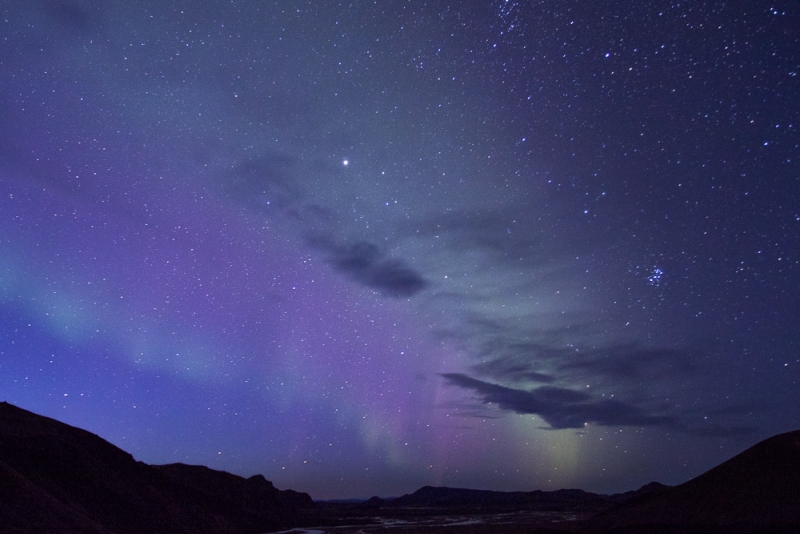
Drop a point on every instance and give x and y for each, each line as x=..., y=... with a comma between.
x=269, y=185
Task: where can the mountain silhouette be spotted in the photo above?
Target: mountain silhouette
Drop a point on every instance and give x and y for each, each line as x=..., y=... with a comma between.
x=755, y=491
x=58, y=478
x=443, y=497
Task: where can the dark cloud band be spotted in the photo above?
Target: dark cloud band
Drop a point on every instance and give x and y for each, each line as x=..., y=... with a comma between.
x=364, y=263
x=560, y=407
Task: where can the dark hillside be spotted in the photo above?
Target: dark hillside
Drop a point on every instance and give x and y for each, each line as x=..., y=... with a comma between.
x=757, y=489
x=54, y=477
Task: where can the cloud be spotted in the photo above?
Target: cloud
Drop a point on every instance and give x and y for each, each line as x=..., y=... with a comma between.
x=269, y=185
x=503, y=235
x=630, y=361
x=514, y=354
x=509, y=370
x=561, y=407
x=643, y=376
x=535, y=337
x=364, y=263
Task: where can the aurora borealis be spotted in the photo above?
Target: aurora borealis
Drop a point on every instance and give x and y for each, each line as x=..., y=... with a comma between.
x=360, y=248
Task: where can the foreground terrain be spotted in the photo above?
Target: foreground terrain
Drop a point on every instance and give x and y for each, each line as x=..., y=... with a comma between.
x=57, y=478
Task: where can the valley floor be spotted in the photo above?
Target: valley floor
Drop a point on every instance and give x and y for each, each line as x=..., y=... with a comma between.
x=406, y=521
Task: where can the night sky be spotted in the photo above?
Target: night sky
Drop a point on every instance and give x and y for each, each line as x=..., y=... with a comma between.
x=365, y=247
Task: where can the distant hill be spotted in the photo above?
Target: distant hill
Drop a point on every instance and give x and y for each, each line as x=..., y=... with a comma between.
x=58, y=478
x=755, y=491
x=560, y=500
